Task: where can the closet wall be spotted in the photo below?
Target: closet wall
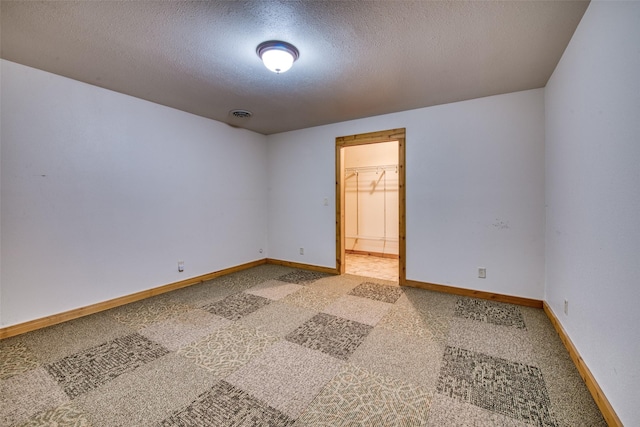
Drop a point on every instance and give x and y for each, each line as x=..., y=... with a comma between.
x=371, y=198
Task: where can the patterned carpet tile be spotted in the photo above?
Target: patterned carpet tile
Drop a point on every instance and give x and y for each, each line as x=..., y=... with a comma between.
x=273, y=289
x=89, y=369
x=301, y=352
x=311, y=298
x=286, y=377
x=227, y=406
x=228, y=349
x=509, y=388
x=15, y=358
x=378, y=292
x=184, y=329
x=25, y=395
x=143, y=313
x=493, y=312
x=358, y=309
x=302, y=277
x=417, y=323
x=62, y=416
x=236, y=306
x=332, y=335
x=357, y=397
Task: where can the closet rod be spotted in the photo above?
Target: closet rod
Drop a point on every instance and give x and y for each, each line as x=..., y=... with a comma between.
x=381, y=238
x=372, y=168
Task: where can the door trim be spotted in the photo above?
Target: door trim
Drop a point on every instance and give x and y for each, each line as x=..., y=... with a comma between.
x=363, y=139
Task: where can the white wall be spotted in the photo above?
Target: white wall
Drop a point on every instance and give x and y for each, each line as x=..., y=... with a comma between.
x=475, y=192
x=103, y=193
x=371, y=198
x=593, y=198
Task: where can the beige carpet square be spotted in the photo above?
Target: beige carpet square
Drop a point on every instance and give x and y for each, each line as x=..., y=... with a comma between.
x=277, y=318
x=28, y=394
x=501, y=341
x=184, y=329
x=274, y=289
x=414, y=360
x=439, y=303
x=64, y=339
x=311, y=298
x=147, y=395
x=146, y=312
x=358, y=309
x=416, y=323
x=337, y=284
x=286, y=377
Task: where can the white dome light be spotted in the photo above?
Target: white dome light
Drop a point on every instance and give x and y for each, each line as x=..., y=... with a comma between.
x=277, y=56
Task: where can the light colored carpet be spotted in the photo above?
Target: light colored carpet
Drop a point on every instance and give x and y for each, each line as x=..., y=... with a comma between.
x=276, y=346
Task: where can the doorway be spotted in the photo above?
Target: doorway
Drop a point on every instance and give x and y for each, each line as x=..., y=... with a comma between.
x=371, y=179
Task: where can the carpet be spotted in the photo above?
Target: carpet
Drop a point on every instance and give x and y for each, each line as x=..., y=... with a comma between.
x=277, y=346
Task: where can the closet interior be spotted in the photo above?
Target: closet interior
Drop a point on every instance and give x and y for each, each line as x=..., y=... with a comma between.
x=371, y=187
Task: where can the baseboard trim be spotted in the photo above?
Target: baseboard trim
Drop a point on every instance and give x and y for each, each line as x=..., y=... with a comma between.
x=528, y=302
x=599, y=397
x=292, y=264
x=54, y=319
x=369, y=253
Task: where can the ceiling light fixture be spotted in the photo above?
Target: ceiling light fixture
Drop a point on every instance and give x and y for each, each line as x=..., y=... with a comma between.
x=277, y=56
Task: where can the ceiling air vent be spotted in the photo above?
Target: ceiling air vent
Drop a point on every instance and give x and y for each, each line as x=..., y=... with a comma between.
x=241, y=114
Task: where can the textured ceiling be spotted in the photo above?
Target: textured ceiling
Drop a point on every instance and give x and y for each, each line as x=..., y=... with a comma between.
x=357, y=59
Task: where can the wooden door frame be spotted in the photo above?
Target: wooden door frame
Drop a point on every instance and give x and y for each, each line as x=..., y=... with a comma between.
x=363, y=139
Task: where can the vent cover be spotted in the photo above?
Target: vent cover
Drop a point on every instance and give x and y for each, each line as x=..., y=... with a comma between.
x=241, y=114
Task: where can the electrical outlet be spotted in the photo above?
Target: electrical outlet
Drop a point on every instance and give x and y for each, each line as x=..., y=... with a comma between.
x=482, y=272
x=180, y=266
x=301, y=251
x=566, y=307
x=260, y=250
x=325, y=202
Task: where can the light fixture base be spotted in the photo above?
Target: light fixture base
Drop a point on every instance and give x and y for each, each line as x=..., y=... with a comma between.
x=277, y=56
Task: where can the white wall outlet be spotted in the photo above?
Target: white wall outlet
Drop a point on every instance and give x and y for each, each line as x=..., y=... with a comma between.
x=482, y=272
x=326, y=201
x=301, y=251
x=180, y=266
x=260, y=250
x=566, y=307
